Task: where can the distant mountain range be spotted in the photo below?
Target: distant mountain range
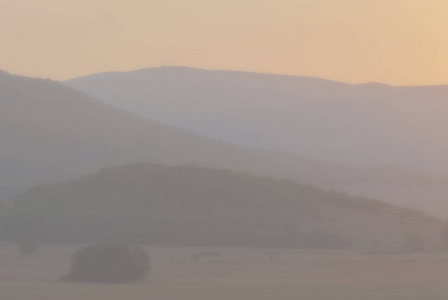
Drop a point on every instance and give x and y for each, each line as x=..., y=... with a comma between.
x=392, y=131
x=369, y=124
x=188, y=205
x=50, y=132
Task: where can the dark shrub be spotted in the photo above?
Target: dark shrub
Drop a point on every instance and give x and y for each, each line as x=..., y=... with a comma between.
x=111, y=263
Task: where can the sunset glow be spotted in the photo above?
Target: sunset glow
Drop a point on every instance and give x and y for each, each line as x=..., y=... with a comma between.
x=395, y=41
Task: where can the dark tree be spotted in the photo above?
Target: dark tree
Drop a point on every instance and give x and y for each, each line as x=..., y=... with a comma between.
x=111, y=263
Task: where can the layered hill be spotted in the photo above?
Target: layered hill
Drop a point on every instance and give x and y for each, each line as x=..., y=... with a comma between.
x=187, y=205
x=390, y=130
x=368, y=124
x=50, y=132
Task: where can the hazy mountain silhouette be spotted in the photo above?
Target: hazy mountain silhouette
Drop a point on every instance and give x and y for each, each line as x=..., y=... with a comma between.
x=197, y=206
x=50, y=132
x=368, y=124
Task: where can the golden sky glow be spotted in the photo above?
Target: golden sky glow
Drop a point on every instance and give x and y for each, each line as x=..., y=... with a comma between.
x=393, y=41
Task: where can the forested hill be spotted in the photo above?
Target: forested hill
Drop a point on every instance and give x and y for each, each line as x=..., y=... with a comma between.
x=188, y=205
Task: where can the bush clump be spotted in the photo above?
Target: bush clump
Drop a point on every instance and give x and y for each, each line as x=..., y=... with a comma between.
x=109, y=263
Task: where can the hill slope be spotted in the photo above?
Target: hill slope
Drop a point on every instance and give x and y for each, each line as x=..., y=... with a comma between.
x=50, y=132
x=188, y=205
x=369, y=124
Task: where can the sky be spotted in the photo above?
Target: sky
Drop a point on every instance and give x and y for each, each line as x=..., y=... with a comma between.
x=399, y=42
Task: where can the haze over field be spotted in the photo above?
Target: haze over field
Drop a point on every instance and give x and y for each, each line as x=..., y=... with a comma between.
x=215, y=150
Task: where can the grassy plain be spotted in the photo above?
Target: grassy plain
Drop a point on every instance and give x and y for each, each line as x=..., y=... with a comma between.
x=236, y=274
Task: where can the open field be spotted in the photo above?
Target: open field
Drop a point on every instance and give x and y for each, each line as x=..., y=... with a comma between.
x=236, y=274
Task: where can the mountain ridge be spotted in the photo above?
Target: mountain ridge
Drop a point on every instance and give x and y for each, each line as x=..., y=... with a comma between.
x=52, y=132
x=286, y=113
x=364, y=125
x=188, y=68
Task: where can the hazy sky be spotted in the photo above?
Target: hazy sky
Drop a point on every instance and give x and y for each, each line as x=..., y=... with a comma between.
x=394, y=41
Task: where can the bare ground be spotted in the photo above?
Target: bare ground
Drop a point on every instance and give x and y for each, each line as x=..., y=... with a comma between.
x=236, y=274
